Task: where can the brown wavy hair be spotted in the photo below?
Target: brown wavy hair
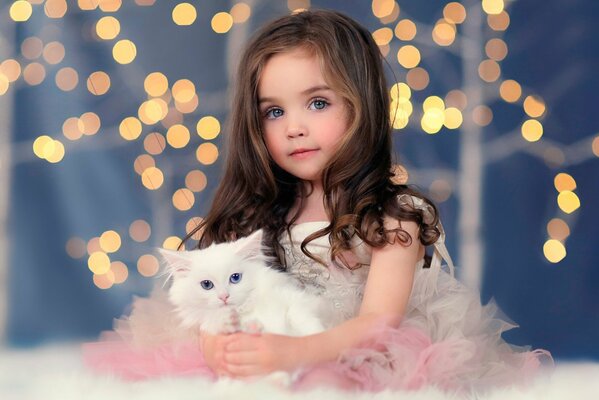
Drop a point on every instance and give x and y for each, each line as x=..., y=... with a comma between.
x=358, y=182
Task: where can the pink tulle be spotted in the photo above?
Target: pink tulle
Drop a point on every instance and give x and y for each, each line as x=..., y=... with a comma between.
x=124, y=360
x=405, y=358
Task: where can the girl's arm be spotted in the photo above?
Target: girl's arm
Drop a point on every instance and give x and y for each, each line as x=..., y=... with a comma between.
x=386, y=296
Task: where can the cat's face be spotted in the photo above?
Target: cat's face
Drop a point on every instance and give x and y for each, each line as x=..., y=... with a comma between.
x=221, y=275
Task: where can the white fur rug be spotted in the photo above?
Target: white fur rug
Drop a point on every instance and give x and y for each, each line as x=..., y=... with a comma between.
x=56, y=372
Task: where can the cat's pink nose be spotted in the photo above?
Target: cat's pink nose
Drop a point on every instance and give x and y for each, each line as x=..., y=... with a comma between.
x=224, y=297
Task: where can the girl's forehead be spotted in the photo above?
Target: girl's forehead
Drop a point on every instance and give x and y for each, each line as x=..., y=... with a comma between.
x=294, y=70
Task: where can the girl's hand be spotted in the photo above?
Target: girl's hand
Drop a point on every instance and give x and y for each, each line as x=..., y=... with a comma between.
x=213, y=349
x=260, y=354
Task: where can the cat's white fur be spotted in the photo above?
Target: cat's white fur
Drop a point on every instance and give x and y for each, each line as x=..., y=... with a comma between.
x=264, y=299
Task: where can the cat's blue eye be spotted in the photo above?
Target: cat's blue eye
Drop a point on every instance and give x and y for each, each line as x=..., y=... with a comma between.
x=207, y=285
x=235, y=278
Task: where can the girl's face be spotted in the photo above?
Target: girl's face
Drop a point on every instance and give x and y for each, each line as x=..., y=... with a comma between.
x=303, y=119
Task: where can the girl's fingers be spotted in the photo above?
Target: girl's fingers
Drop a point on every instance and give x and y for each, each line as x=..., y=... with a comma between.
x=241, y=342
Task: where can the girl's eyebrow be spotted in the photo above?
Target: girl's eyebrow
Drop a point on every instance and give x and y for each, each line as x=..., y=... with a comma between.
x=305, y=92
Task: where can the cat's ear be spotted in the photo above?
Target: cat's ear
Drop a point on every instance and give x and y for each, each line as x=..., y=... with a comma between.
x=251, y=246
x=177, y=262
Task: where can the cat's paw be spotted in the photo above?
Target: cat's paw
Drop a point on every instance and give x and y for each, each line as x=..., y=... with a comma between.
x=230, y=321
x=253, y=326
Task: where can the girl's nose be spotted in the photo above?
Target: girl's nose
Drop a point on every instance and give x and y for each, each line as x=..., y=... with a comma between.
x=296, y=128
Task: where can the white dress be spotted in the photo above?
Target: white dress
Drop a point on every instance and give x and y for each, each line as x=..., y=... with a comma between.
x=447, y=338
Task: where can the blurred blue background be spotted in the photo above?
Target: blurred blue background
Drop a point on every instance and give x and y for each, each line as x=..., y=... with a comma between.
x=55, y=210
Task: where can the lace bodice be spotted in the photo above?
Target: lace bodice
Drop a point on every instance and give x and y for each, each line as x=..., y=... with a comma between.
x=344, y=287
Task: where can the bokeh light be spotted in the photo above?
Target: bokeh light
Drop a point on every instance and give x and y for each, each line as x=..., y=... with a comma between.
x=108, y=28
x=120, y=271
x=66, y=79
x=382, y=36
x=554, y=251
x=143, y=162
x=34, y=73
x=405, y=30
x=76, y=247
x=171, y=243
x=208, y=127
x=152, y=178
x=493, y=7
x=183, y=199
x=178, y=136
x=154, y=143
x=196, y=180
x=109, y=5
x=499, y=22
x=454, y=12
x=147, y=265
x=55, y=8
x=510, y=90
x=10, y=69
x=54, y=52
x=382, y=8
x=558, y=229
x=563, y=181
x=408, y=56
x=496, y=49
x=191, y=225
x=568, y=201
x=32, y=48
x=440, y=190
x=99, y=262
x=130, y=128
x=89, y=123
x=184, y=14
x=124, y=51
x=456, y=98
x=534, y=106
x=482, y=115
x=532, y=130
x=156, y=84
x=489, y=70
x=418, y=78
x=98, y=83
x=453, y=118
x=240, y=12
x=110, y=242
x=444, y=33
x=20, y=11
x=140, y=230
x=183, y=90
x=93, y=245
x=207, y=153
x=222, y=22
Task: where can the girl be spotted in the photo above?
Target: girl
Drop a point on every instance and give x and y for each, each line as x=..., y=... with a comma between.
x=309, y=162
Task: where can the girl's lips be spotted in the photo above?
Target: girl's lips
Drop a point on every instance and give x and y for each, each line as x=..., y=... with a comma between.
x=303, y=153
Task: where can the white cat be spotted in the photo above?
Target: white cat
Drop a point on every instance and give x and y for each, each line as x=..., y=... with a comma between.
x=228, y=287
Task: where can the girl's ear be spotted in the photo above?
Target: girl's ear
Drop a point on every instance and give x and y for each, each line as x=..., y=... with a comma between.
x=177, y=262
x=250, y=246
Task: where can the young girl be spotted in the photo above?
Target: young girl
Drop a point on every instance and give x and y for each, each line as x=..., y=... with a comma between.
x=309, y=162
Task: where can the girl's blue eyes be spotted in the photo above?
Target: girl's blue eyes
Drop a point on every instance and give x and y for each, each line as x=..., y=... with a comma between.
x=207, y=285
x=235, y=278
x=274, y=113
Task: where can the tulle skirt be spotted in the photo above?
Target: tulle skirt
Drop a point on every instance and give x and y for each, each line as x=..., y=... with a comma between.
x=447, y=339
